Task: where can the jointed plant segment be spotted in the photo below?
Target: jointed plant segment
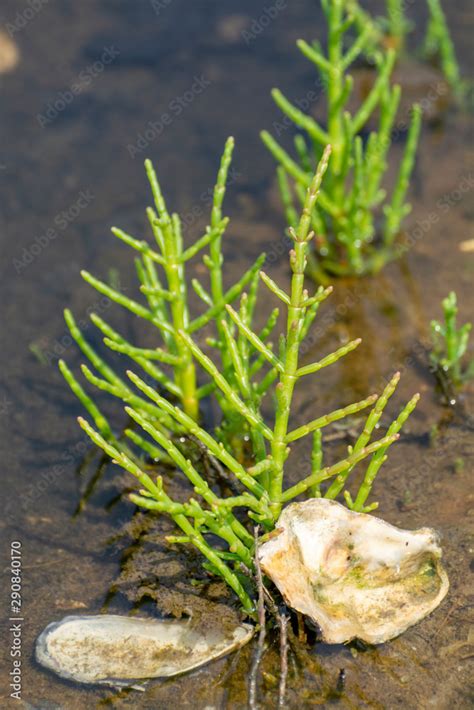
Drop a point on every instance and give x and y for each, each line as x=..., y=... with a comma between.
x=349, y=238
x=249, y=367
x=450, y=343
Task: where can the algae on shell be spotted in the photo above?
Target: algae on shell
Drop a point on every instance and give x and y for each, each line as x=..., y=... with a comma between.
x=353, y=574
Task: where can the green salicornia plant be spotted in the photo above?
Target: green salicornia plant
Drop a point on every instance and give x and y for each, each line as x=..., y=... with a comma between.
x=161, y=271
x=439, y=45
x=221, y=527
x=450, y=344
x=393, y=30
x=351, y=237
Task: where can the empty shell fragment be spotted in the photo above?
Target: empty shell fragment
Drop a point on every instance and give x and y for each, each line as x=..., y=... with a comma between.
x=118, y=650
x=353, y=574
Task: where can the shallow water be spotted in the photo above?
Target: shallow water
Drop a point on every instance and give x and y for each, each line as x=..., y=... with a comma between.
x=68, y=174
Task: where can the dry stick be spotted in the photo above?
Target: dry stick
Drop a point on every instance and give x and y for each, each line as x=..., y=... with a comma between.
x=262, y=631
x=302, y=638
x=283, y=624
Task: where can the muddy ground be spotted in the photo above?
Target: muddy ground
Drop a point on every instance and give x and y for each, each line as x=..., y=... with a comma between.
x=71, y=168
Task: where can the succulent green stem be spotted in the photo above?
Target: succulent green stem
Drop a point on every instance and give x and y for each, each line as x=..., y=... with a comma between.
x=373, y=419
x=319, y=476
x=380, y=455
x=184, y=371
x=296, y=311
x=316, y=462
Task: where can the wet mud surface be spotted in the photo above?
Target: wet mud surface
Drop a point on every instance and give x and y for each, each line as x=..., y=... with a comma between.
x=67, y=175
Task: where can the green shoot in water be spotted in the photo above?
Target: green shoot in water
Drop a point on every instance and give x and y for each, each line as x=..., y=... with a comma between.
x=355, y=222
x=450, y=344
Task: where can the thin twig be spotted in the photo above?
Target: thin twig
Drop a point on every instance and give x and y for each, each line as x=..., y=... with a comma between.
x=262, y=631
x=271, y=603
x=442, y=624
x=302, y=638
x=283, y=624
x=341, y=681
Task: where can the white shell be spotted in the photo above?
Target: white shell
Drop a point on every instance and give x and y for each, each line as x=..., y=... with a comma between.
x=118, y=650
x=353, y=574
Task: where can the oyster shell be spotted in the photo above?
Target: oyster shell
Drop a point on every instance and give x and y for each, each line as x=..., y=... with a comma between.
x=353, y=574
x=120, y=650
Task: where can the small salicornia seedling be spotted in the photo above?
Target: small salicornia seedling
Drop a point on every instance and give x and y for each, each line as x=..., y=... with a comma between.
x=450, y=344
x=161, y=271
x=351, y=237
x=220, y=527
